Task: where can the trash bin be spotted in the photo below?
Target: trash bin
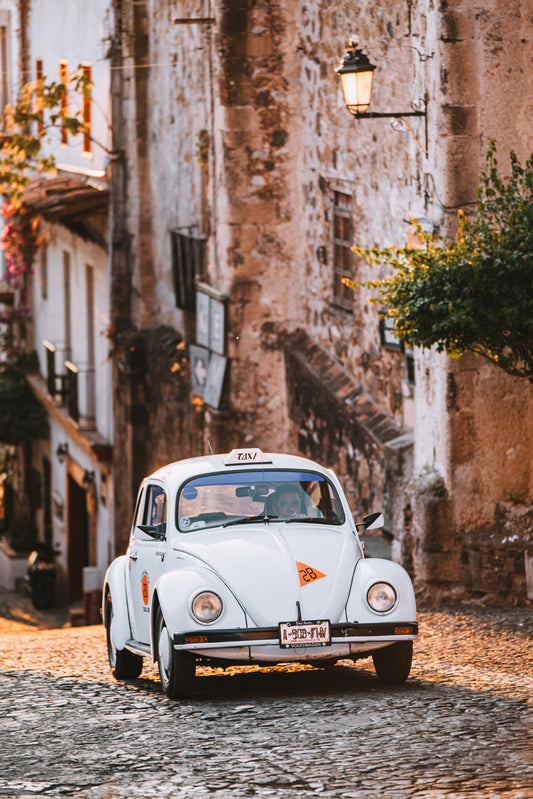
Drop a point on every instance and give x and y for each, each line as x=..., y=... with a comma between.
x=41, y=577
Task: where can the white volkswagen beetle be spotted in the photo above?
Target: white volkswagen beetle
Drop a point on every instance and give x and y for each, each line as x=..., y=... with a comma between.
x=252, y=558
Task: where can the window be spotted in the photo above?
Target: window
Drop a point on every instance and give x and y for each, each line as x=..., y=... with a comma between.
x=152, y=509
x=43, y=270
x=387, y=332
x=90, y=398
x=343, y=263
x=63, y=78
x=410, y=366
x=87, y=110
x=188, y=263
x=5, y=61
x=157, y=506
x=240, y=498
x=66, y=303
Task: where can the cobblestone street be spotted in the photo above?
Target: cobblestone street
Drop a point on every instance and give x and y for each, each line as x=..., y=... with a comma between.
x=460, y=727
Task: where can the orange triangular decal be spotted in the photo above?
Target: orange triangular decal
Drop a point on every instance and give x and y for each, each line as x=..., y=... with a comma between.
x=307, y=574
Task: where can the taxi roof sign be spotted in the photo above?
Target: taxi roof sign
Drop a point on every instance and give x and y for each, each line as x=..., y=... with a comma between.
x=250, y=455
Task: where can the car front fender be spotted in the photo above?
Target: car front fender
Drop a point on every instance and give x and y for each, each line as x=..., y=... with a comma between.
x=377, y=570
x=174, y=592
x=115, y=585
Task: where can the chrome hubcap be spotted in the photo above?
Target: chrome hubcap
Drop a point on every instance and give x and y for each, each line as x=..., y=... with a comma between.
x=164, y=649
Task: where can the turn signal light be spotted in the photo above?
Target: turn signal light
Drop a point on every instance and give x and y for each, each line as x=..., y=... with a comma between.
x=403, y=631
x=196, y=639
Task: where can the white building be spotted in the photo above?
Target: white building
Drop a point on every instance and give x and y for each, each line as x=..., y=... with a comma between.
x=70, y=292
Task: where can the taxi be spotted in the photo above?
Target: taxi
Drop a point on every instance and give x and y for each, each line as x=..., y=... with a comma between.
x=252, y=558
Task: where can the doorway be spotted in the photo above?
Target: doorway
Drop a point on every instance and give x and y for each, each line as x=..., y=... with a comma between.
x=79, y=539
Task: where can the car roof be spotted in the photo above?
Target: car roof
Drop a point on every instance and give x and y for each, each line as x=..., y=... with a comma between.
x=237, y=460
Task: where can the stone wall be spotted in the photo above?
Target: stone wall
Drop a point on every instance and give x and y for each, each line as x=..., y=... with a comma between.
x=256, y=88
x=494, y=559
x=335, y=422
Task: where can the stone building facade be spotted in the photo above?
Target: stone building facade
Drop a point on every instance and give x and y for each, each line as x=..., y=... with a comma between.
x=237, y=142
x=237, y=179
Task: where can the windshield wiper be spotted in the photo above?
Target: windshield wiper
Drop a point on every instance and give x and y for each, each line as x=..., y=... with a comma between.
x=262, y=517
x=314, y=519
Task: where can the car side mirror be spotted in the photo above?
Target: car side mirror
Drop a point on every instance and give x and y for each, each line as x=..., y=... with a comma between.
x=154, y=531
x=374, y=521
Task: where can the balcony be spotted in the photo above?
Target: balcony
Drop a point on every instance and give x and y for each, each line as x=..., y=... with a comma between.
x=74, y=387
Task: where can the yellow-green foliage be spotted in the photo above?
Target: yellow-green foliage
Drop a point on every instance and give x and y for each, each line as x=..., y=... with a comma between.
x=474, y=291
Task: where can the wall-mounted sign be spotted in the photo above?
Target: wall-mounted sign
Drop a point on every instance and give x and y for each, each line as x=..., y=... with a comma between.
x=208, y=366
x=202, y=318
x=199, y=366
x=215, y=380
x=216, y=326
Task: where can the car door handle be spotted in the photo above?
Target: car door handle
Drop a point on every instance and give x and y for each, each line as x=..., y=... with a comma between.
x=133, y=557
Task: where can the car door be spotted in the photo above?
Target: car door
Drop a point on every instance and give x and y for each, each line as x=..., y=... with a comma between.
x=146, y=555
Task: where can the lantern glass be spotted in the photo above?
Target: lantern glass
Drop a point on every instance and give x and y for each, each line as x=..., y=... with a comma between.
x=357, y=90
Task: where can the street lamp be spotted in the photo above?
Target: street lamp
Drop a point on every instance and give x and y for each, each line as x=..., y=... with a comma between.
x=356, y=73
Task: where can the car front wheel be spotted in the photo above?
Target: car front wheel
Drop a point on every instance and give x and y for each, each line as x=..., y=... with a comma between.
x=124, y=665
x=176, y=669
x=393, y=663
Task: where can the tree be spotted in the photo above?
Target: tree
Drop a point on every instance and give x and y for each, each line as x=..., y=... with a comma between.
x=473, y=291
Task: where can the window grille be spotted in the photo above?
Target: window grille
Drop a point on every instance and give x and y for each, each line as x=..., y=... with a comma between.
x=188, y=264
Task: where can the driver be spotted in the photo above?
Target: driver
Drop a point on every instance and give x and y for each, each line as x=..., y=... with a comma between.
x=287, y=502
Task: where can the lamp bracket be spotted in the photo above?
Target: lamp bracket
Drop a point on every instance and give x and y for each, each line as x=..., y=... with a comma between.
x=401, y=116
x=193, y=20
x=391, y=115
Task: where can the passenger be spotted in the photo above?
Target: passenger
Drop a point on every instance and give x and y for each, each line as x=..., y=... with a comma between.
x=158, y=506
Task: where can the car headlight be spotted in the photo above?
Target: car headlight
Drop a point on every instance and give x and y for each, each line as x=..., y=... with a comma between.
x=381, y=597
x=206, y=606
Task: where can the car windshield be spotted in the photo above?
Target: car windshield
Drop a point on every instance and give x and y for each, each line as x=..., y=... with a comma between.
x=244, y=497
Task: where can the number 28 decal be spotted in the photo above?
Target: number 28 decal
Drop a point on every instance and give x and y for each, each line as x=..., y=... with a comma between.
x=307, y=574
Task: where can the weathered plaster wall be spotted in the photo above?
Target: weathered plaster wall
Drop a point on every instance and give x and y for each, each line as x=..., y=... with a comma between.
x=262, y=83
x=260, y=80
x=382, y=169
x=258, y=250
x=474, y=423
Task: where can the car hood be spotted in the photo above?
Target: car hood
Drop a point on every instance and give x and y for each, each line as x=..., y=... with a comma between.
x=270, y=568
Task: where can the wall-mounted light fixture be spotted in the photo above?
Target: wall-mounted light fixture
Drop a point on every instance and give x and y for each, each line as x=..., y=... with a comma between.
x=88, y=479
x=356, y=74
x=62, y=452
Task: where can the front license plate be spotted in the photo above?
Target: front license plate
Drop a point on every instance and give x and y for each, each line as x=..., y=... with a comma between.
x=294, y=634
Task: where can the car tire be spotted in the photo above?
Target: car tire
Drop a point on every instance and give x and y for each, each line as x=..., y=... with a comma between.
x=124, y=665
x=177, y=670
x=393, y=663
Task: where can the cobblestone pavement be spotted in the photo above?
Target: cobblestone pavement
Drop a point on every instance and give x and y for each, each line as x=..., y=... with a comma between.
x=462, y=726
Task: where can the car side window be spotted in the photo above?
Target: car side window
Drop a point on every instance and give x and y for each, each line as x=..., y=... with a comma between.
x=137, y=516
x=155, y=507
